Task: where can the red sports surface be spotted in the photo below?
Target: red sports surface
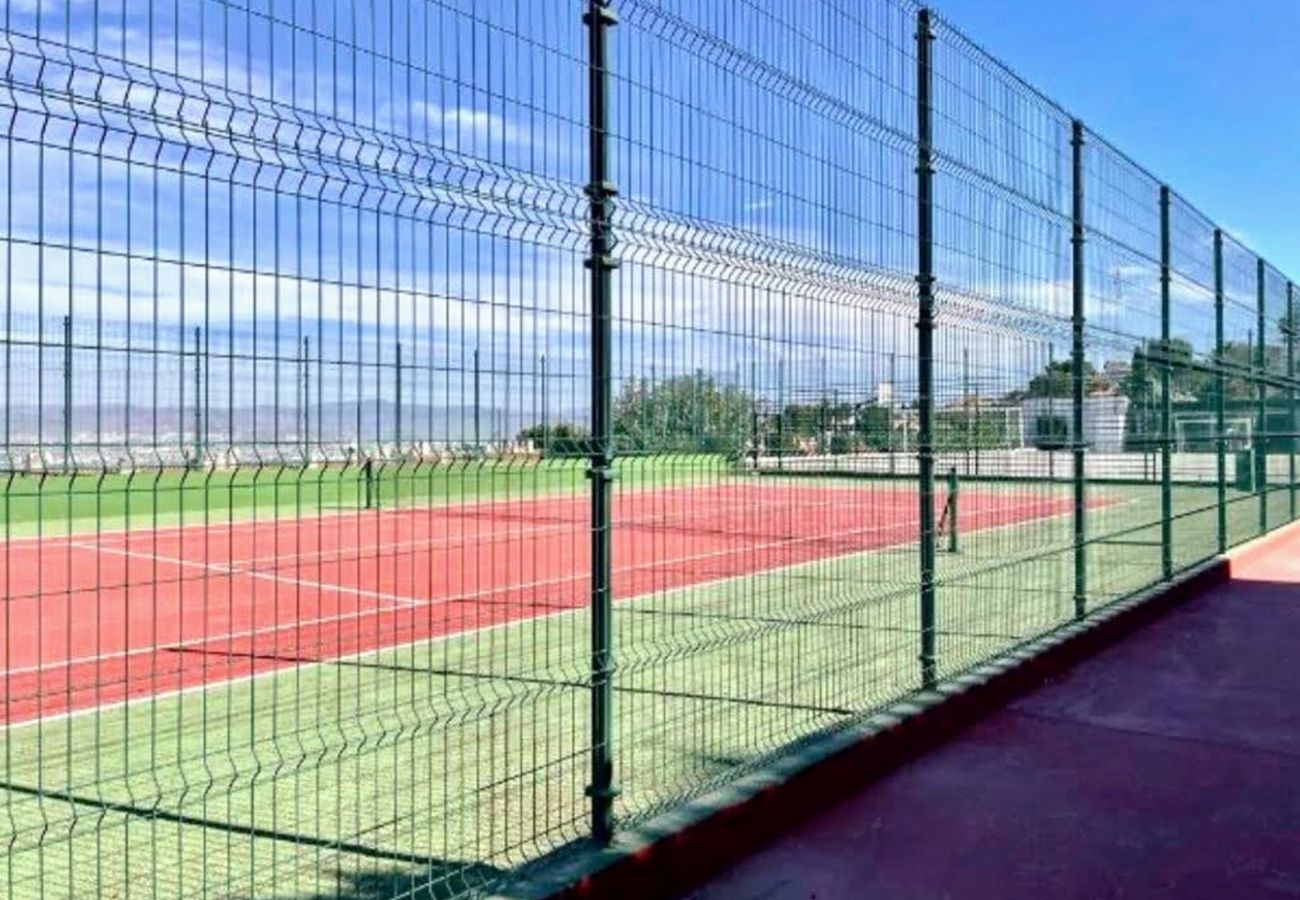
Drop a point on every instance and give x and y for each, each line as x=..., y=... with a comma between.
x=97, y=619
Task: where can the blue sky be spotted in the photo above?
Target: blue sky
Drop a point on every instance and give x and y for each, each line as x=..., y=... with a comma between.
x=1203, y=93
x=364, y=174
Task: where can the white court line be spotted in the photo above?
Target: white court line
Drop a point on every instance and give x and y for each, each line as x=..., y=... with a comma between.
x=474, y=596
x=486, y=594
x=406, y=512
x=358, y=512
x=432, y=640
x=71, y=714
x=224, y=569
x=384, y=548
x=477, y=595
x=508, y=531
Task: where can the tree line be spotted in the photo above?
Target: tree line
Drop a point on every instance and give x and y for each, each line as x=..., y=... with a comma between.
x=695, y=413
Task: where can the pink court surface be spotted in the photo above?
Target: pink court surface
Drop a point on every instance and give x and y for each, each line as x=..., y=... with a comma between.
x=95, y=619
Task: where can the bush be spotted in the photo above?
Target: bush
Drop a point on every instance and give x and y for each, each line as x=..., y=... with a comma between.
x=562, y=439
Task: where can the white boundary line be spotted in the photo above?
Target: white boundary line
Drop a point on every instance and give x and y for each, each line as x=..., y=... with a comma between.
x=411, y=602
x=235, y=569
x=434, y=640
x=359, y=512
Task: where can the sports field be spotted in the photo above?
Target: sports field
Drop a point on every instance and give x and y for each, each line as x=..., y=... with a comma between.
x=336, y=702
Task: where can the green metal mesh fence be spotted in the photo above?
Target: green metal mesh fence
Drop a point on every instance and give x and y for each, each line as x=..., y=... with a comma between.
x=438, y=434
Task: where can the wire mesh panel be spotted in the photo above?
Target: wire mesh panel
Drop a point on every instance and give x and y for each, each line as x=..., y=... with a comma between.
x=1239, y=357
x=1276, y=438
x=293, y=580
x=1003, y=339
x=1124, y=335
x=439, y=434
x=1194, y=426
x=763, y=329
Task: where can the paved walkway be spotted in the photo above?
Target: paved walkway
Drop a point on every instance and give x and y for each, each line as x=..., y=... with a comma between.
x=1166, y=767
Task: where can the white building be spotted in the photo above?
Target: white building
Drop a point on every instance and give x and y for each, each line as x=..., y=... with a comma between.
x=1047, y=421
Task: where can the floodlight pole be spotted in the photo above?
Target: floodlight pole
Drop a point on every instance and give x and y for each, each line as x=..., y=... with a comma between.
x=925, y=338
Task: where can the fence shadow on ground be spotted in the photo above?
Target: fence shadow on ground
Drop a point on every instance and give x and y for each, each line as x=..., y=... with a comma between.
x=438, y=880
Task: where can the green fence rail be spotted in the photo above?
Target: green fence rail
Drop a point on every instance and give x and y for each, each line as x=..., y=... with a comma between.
x=437, y=435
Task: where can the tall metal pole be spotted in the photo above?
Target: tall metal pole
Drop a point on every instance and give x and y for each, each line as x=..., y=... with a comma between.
x=893, y=399
x=67, y=394
x=398, y=414
x=925, y=338
x=1261, y=428
x=1289, y=336
x=198, y=396
x=306, y=398
x=1077, y=323
x=822, y=423
x=965, y=402
x=1166, y=399
x=546, y=429
x=780, y=413
x=478, y=410
x=754, y=433
x=697, y=410
x=1051, y=411
x=599, y=18
x=1220, y=395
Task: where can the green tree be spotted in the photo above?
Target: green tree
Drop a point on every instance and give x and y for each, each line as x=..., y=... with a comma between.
x=874, y=424
x=1057, y=380
x=971, y=429
x=684, y=413
x=556, y=440
x=1188, y=380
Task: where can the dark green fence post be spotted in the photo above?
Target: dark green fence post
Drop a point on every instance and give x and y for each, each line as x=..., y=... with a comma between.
x=1166, y=398
x=599, y=18
x=1220, y=394
x=925, y=338
x=1289, y=337
x=67, y=394
x=1261, y=396
x=1079, y=389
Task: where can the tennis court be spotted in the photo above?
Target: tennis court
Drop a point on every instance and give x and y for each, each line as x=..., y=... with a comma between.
x=96, y=619
x=436, y=436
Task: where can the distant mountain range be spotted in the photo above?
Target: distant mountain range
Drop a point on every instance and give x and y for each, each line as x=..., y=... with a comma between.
x=330, y=422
